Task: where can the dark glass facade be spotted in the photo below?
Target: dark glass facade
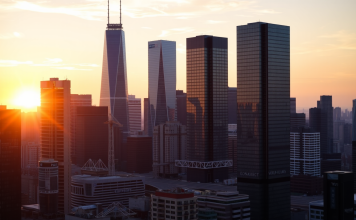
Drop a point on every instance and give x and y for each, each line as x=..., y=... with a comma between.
x=147, y=117
x=207, y=85
x=327, y=109
x=354, y=163
x=297, y=120
x=113, y=91
x=263, y=112
x=10, y=164
x=181, y=107
x=92, y=134
x=354, y=120
x=232, y=105
x=139, y=149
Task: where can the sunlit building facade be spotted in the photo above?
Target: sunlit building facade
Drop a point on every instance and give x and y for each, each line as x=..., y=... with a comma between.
x=263, y=111
x=162, y=81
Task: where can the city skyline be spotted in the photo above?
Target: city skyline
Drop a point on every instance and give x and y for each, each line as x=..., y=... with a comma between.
x=321, y=61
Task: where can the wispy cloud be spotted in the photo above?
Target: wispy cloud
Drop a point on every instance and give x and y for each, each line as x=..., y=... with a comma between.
x=215, y=22
x=172, y=31
x=342, y=40
x=267, y=11
x=10, y=35
x=70, y=68
x=9, y=63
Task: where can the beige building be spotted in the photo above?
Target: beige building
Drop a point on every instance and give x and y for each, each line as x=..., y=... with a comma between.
x=134, y=114
x=169, y=144
x=55, y=134
x=177, y=204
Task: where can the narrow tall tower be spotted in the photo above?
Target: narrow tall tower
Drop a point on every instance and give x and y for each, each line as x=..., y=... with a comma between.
x=114, y=78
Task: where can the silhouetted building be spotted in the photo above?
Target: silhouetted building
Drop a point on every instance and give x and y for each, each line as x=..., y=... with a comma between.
x=232, y=105
x=337, y=114
x=306, y=184
x=169, y=145
x=120, y=149
x=348, y=133
x=354, y=163
x=297, y=120
x=293, y=105
x=318, y=122
x=354, y=120
x=304, y=152
x=330, y=162
x=134, y=114
x=75, y=101
x=338, y=136
x=30, y=126
x=55, y=125
x=338, y=196
x=232, y=153
x=147, y=127
x=113, y=91
x=327, y=108
x=162, y=81
x=139, y=151
x=207, y=88
x=10, y=164
x=181, y=107
x=263, y=116
x=48, y=186
x=92, y=134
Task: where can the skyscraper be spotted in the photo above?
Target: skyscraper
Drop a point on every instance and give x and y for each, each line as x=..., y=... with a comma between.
x=55, y=134
x=327, y=108
x=293, y=105
x=113, y=91
x=337, y=114
x=10, y=163
x=207, y=108
x=263, y=111
x=232, y=105
x=181, y=107
x=318, y=122
x=162, y=81
x=354, y=120
x=134, y=114
x=147, y=127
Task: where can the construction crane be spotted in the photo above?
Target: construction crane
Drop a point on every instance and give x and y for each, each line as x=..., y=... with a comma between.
x=111, y=153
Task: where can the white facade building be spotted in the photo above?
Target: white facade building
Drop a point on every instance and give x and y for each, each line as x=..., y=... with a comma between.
x=305, y=153
x=162, y=81
x=88, y=190
x=134, y=114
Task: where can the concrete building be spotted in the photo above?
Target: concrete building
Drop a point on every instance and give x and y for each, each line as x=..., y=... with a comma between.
x=55, y=134
x=176, y=204
x=181, y=107
x=304, y=152
x=75, y=101
x=139, y=151
x=162, y=81
x=207, y=106
x=134, y=114
x=169, y=145
x=293, y=105
x=228, y=205
x=263, y=114
x=10, y=165
x=87, y=189
x=91, y=134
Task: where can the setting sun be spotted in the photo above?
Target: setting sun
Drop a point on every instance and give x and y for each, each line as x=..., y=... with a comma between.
x=27, y=99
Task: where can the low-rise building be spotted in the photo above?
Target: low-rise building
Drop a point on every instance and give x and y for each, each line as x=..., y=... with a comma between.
x=175, y=204
x=228, y=205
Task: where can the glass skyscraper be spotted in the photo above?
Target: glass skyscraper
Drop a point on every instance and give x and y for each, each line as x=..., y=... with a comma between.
x=207, y=114
x=263, y=111
x=326, y=106
x=113, y=91
x=162, y=81
x=354, y=120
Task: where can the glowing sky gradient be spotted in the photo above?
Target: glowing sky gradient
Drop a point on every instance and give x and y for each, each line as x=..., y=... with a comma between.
x=43, y=39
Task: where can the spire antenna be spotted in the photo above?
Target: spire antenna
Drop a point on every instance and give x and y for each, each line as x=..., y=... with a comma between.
x=120, y=11
x=108, y=12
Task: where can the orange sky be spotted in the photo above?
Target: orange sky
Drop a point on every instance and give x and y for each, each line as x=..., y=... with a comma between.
x=43, y=39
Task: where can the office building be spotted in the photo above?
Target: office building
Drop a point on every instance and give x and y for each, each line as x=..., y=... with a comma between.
x=75, y=101
x=162, y=81
x=173, y=204
x=207, y=109
x=232, y=105
x=354, y=120
x=316, y=209
x=134, y=114
x=232, y=150
x=139, y=151
x=348, y=133
x=207, y=214
x=88, y=190
x=263, y=113
x=10, y=163
x=92, y=134
x=327, y=108
x=330, y=162
x=147, y=127
x=48, y=186
x=113, y=91
x=338, y=136
x=297, y=120
x=30, y=155
x=30, y=126
x=228, y=205
x=318, y=122
x=55, y=134
x=354, y=163
x=338, y=196
x=293, y=105
x=304, y=152
x=181, y=107
x=306, y=184
x=337, y=114
x=169, y=145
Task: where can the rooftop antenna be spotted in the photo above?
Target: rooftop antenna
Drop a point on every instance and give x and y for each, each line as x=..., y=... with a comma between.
x=108, y=12
x=120, y=11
